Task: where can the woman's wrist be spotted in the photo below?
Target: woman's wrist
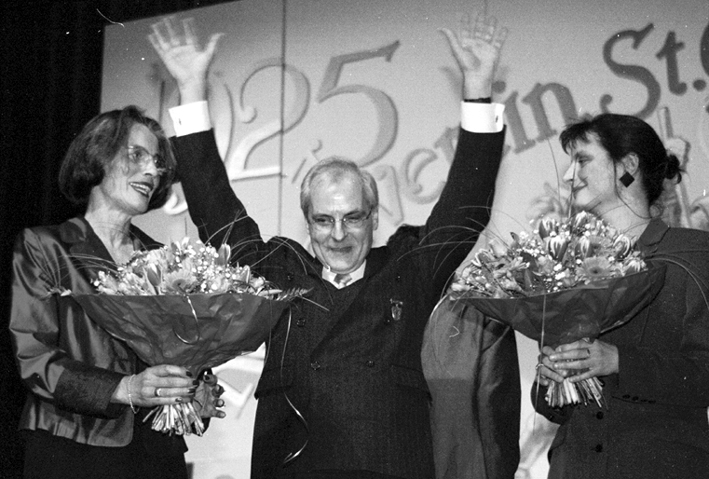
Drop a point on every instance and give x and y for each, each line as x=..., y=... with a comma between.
x=120, y=394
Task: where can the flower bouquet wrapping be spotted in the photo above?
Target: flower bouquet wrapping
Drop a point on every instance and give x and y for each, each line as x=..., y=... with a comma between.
x=567, y=281
x=185, y=305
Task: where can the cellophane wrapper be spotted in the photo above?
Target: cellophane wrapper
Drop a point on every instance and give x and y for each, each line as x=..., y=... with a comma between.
x=196, y=331
x=583, y=312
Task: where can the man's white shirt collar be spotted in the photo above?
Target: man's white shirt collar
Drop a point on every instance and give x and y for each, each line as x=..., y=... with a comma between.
x=329, y=275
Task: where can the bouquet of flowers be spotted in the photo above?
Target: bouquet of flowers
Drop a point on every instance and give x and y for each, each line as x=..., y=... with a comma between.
x=186, y=305
x=566, y=281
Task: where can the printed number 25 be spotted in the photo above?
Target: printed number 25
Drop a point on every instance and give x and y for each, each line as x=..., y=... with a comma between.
x=383, y=104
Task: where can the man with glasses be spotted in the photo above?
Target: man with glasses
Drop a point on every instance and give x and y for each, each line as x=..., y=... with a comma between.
x=342, y=394
x=340, y=204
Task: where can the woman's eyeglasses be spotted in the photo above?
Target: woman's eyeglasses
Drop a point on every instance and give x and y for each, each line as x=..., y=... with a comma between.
x=140, y=156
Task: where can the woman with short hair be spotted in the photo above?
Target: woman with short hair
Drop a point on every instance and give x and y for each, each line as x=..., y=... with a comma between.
x=88, y=393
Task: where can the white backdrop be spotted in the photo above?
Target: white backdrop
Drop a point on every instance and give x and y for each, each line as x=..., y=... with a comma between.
x=373, y=80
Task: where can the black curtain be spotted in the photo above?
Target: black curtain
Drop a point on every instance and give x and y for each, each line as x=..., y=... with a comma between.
x=50, y=87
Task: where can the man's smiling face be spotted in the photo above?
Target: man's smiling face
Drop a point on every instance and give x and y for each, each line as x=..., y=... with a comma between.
x=341, y=245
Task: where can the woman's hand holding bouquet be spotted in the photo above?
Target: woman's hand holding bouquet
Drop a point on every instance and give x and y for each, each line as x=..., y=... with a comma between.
x=156, y=386
x=579, y=361
x=563, y=286
x=207, y=397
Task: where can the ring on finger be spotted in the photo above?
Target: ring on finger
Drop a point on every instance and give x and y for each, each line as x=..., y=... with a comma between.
x=157, y=392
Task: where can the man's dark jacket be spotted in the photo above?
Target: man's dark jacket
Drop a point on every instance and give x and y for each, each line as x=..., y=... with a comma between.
x=342, y=387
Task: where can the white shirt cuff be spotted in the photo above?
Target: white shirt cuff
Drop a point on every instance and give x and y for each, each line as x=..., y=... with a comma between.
x=191, y=118
x=475, y=117
x=482, y=117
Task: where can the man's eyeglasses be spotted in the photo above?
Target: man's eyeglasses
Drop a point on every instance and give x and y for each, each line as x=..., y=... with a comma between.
x=352, y=221
x=140, y=156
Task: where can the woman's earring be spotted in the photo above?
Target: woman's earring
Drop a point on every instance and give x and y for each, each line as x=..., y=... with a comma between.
x=627, y=179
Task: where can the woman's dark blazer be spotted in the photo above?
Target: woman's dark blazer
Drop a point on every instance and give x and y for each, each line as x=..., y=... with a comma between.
x=656, y=423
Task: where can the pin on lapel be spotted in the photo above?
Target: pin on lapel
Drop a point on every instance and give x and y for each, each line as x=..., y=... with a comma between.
x=396, y=308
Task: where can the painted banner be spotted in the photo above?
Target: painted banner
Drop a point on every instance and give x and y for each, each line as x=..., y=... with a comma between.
x=374, y=81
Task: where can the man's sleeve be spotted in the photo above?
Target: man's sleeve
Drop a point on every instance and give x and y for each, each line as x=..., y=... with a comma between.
x=214, y=208
x=463, y=209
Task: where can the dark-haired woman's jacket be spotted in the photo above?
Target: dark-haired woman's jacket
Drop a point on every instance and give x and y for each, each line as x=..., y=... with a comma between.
x=656, y=423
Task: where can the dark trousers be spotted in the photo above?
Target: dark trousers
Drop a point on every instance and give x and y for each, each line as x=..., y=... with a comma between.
x=52, y=457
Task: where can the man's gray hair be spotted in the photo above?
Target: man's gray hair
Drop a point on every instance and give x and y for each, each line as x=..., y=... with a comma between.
x=334, y=169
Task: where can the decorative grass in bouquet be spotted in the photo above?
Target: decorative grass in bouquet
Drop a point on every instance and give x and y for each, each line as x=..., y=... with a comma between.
x=568, y=280
x=186, y=305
